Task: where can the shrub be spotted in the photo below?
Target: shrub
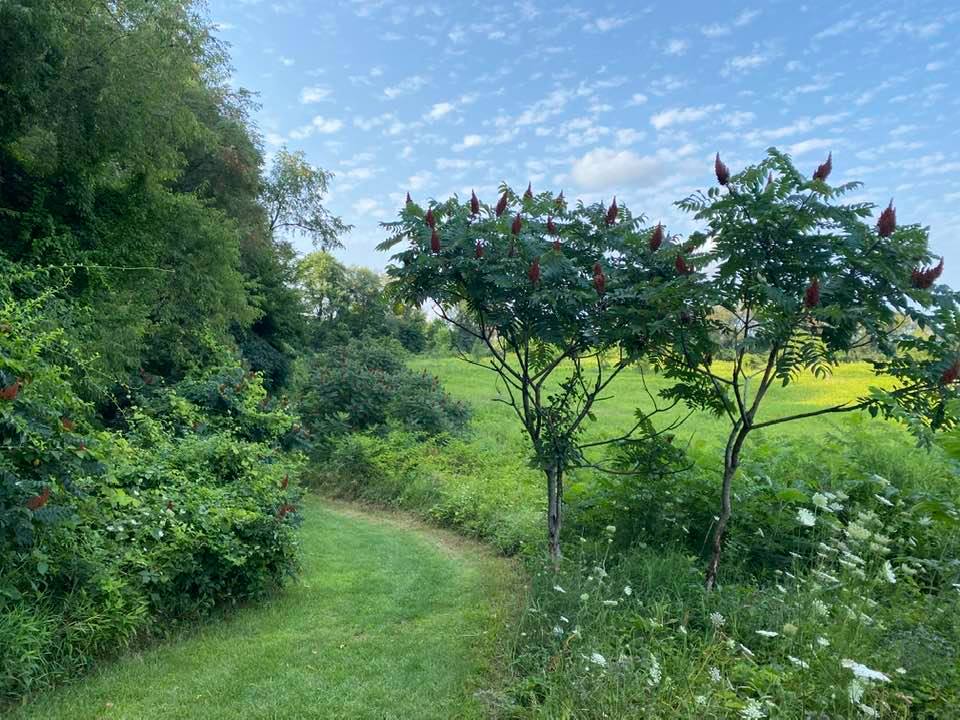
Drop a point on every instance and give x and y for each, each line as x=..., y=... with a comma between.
x=360, y=386
x=106, y=535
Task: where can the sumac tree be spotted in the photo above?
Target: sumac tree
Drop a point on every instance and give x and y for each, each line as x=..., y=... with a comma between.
x=563, y=298
x=801, y=280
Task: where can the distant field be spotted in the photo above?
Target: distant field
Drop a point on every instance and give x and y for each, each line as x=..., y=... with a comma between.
x=496, y=421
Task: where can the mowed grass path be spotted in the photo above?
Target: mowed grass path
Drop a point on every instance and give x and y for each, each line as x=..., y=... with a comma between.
x=387, y=621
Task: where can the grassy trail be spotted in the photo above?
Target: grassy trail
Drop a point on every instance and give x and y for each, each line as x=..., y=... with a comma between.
x=387, y=621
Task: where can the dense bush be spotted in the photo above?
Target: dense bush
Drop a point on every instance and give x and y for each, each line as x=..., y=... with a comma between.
x=363, y=386
x=110, y=534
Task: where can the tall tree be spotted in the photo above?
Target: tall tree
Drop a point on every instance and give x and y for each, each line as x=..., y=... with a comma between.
x=293, y=194
x=563, y=298
x=802, y=280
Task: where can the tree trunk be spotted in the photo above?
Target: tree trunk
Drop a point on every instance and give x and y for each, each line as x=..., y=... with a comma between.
x=731, y=461
x=554, y=512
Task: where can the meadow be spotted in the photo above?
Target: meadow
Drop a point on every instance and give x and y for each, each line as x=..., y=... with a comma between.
x=853, y=615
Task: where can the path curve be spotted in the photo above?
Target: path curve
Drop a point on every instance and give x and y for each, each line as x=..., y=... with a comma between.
x=390, y=619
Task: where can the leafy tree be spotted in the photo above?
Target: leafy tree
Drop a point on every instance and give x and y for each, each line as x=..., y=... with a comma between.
x=563, y=298
x=349, y=302
x=110, y=113
x=802, y=280
x=293, y=194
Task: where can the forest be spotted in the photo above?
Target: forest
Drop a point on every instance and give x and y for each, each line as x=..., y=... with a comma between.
x=558, y=460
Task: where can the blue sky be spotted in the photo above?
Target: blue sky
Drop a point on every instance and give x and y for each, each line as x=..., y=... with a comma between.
x=604, y=98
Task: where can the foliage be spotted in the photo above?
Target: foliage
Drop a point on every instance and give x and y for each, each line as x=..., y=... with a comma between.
x=452, y=482
x=863, y=572
x=349, y=302
x=436, y=604
x=804, y=280
x=545, y=283
x=293, y=194
x=361, y=386
x=106, y=535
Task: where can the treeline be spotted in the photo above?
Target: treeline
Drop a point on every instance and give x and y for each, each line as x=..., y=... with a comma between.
x=153, y=317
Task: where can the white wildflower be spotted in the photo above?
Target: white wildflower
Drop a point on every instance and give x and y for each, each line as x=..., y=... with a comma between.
x=868, y=711
x=610, y=603
x=924, y=521
x=882, y=499
x=611, y=529
x=598, y=659
x=565, y=619
x=856, y=531
x=888, y=572
x=824, y=576
x=822, y=641
x=767, y=633
x=820, y=607
x=855, y=691
x=584, y=597
x=700, y=699
x=717, y=619
x=654, y=671
x=806, y=518
x=901, y=671
x=746, y=651
x=798, y=662
x=753, y=710
x=715, y=675
x=628, y=591
x=558, y=631
x=862, y=671
x=600, y=572
x=559, y=589
x=821, y=501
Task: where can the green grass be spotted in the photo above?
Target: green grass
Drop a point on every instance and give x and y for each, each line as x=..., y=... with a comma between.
x=385, y=622
x=495, y=421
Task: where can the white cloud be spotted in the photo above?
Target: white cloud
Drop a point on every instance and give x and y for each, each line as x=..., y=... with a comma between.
x=452, y=164
x=628, y=136
x=677, y=47
x=720, y=29
x=604, y=168
x=469, y=141
x=715, y=30
x=675, y=116
x=314, y=94
x=285, y=61
x=637, y=99
x=319, y=124
x=744, y=63
x=738, y=118
x=418, y=181
x=838, y=28
x=439, y=110
x=544, y=109
x=374, y=122
x=605, y=24
x=806, y=146
x=367, y=206
x=938, y=65
x=405, y=86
